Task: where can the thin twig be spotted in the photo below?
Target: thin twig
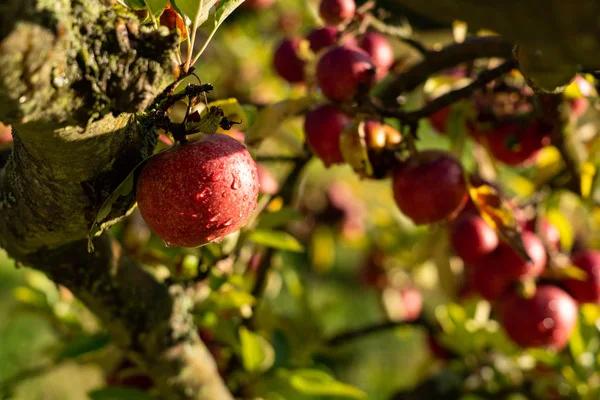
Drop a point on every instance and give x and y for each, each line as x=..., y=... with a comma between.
x=411, y=117
x=349, y=336
x=448, y=57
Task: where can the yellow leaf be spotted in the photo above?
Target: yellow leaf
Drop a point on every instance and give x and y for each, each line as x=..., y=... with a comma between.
x=588, y=173
x=353, y=146
x=565, y=229
x=499, y=214
x=271, y=117
x=572, y=272
x=233, y=111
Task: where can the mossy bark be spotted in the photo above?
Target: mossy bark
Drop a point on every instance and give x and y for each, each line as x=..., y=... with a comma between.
x=75, y=80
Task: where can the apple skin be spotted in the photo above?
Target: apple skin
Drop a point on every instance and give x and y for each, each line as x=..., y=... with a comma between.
x=588, y=290
x=516, y=144
x=335, y=12
x=506, y=259
x=439, y=120
x=342, y=70
x=200, y=192
x=380, y=50
x=472, y=238
x=548, y=231
x=323, y=127
x=494, y=273
x=430, y=187
x=286, y=62
x=545, y=320
x=321, y=38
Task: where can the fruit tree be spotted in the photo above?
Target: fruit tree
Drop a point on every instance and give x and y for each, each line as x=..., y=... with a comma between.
x=281, y=199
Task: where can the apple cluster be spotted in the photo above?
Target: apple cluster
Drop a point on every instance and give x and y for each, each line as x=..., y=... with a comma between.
x=430, y=186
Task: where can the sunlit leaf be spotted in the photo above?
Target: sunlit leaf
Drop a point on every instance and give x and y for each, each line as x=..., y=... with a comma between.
x=233, y=111
x=193, y=11
x=271, y=117
x=564, y=226
x=313, y=382
x=156, y=6
x=571, y=272
x=224, y=9
x=276, y=239
x=117, y=393
x=588, y=173
x=498, y=213
x=257, y=353
x=353, y=146
x=209, y=121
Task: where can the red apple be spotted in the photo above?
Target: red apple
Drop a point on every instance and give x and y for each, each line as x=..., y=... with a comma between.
x=335, y=12
x=199, y=192
x=429, y=187
x=439, y=120
x=548, y=231
x=322, y=128
x=588, y=290
x=517, y=144
x=286, y=61
x=342, y=70
x=321, y=38
x=380, y=50
x=545, y=320
x=504, y=258
x=472, y=238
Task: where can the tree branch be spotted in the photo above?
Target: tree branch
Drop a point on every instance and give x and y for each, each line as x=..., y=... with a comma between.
x=75, y=79
x=448, y=57
x=348, y=336
x=412, y=117
x=145, y=317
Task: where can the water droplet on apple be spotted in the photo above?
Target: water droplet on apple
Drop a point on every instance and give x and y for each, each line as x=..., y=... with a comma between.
x=224, y=195
x=235, y=184
x=215, y=217
x=226, y=223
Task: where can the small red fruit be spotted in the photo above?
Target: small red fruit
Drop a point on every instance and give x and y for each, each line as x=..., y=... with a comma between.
x=322, y=128
x=507, y=260
x=334, y=12
x=472, y=238
x=321, y=38
x=489, y=281
x=5, y=134
x=286, y=61
x=439, y=120
x=199, y=192
x=515, y=144
x=588, y=290
x=545, y=320
x=429, y=187
x=380, y=50
x=547, y=231
x=342, y=70
x=268, y=183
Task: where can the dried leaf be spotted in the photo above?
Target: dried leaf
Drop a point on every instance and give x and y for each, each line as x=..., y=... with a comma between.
x=498, y=213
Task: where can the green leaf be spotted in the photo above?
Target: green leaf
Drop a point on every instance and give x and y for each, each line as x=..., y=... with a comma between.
x=82, y=345
x=156, y=7
x=271, y=117
x=124, y=189
x=276, y=239
x=257, y=353
x=314, y=382
x=193, y=11
x=134, y=4
x=251, y=113
x=224, y=9
x=209, y=122
x=116, y=393
x=576, y=342
x=277, y=219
